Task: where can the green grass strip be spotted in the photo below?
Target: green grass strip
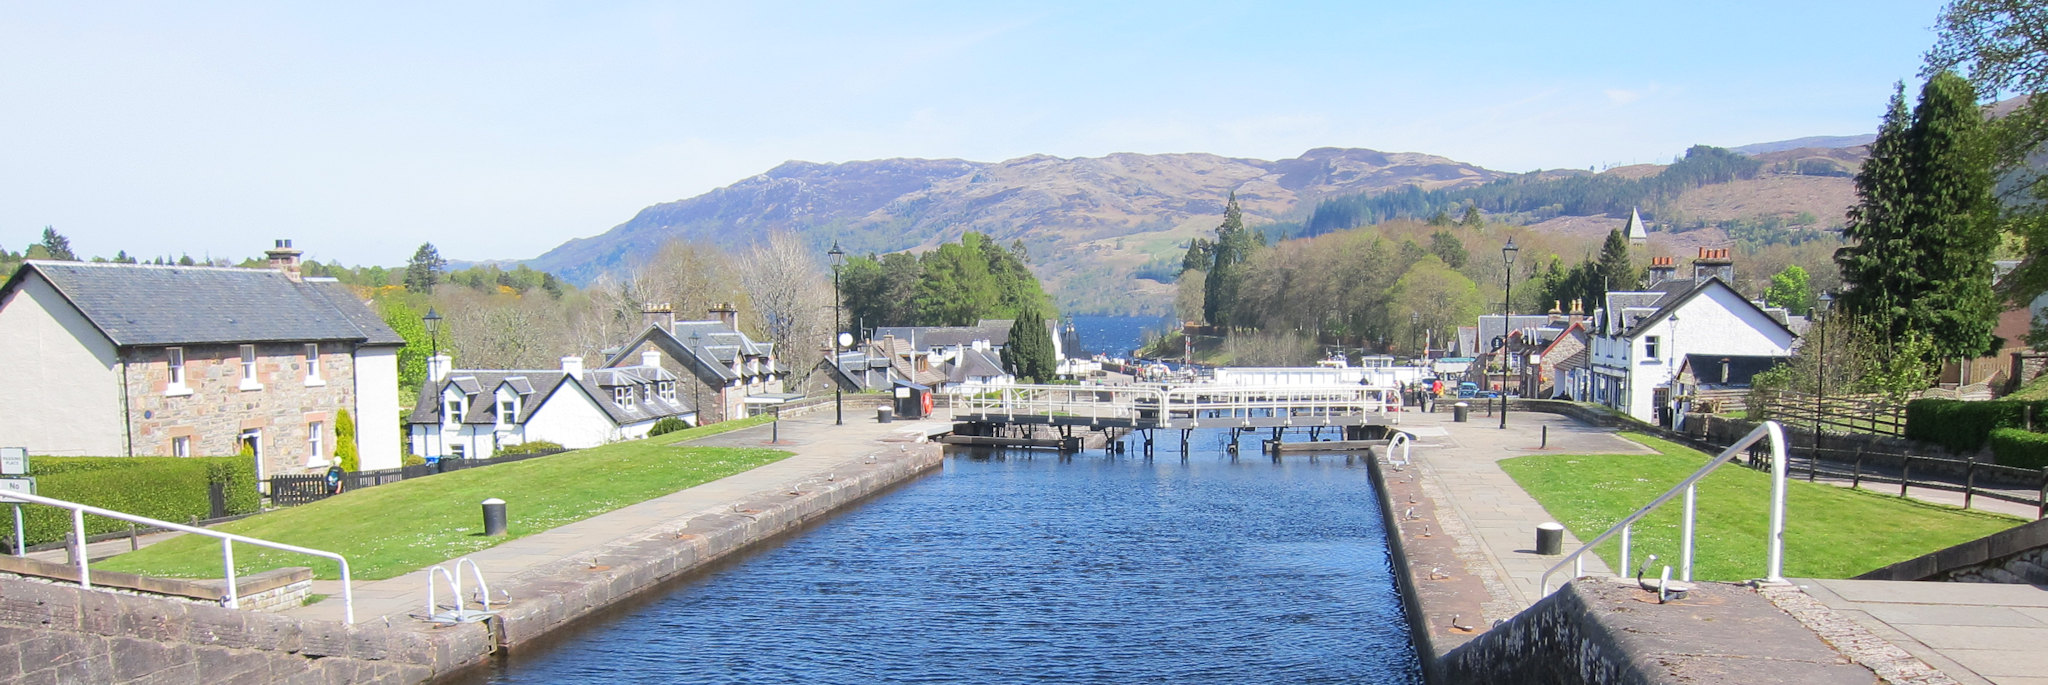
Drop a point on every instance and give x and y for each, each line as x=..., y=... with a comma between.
x=391, y=530
x=1830, y=531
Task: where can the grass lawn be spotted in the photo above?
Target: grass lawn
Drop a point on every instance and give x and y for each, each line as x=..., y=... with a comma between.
x=1830, y=532
x=391, y=530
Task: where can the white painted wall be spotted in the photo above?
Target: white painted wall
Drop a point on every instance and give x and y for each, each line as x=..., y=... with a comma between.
x=60, y=380
x=572, y=418
x=1718, y=321
x=376, y=411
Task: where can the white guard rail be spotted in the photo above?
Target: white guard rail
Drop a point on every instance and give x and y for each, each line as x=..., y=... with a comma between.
x=1198, y=402
x=1775, y=548
x=227, y=549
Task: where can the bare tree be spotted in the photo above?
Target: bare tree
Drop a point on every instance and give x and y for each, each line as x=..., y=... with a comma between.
x=791, y=290
x=490, y=331
x=690, y=277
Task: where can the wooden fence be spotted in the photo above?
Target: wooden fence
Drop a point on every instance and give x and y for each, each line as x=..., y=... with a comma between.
x=1839, y=413
x=294, y=490
x=1971, y=478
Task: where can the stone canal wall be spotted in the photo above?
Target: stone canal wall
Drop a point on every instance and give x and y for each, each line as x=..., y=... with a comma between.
x=53, y=632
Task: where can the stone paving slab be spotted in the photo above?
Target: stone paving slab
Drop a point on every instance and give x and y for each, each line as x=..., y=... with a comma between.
x=1974, y=632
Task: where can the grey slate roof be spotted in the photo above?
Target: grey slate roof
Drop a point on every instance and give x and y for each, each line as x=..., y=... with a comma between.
x=481, y=387
x=146, y=305
x=711, y=345
x=975, y=363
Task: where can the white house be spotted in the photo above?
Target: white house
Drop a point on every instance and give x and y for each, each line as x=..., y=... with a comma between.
x=141, y=360
x=977, y=369
x=1643, y=337
x=469, y=414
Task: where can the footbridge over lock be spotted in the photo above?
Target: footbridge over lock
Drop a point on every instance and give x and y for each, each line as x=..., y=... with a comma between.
x=1355, y=412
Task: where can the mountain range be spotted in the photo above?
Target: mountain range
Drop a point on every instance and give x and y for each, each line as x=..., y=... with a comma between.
x=1088, y=224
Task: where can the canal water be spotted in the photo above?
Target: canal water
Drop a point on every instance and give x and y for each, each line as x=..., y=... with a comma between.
x=1116, y=336
x=1014, y=566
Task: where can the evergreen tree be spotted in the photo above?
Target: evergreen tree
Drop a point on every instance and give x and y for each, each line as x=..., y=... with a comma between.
x=1471, y=219
x=58, y=246
x=424, y=271
x=1449, y=248
x=1926, y=227
x=1233, y=247
x=345, y=441
x=1614, y=271
x=1029, y=354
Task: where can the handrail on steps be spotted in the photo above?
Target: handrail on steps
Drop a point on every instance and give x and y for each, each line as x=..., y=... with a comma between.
x=227, y=548
x=1775, y=553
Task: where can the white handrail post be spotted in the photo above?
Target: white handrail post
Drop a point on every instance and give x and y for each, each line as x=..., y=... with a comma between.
x=348, y=594
x=1775, y=558
x=78, y=543
x=1627, y=531
x=1685, y=532
x=227, y=559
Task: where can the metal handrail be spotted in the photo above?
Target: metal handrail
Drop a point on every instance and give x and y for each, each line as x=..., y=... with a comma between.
x=1775, y=552
x=227, y=548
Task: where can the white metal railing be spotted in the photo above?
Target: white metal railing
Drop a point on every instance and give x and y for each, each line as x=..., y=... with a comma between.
x=227, y=548
x=1774, y=555
x=1197, y=402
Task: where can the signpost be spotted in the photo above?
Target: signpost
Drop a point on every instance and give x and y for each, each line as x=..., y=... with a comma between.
x=22, y=485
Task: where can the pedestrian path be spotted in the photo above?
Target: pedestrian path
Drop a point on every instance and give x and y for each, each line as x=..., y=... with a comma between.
x=817, y=444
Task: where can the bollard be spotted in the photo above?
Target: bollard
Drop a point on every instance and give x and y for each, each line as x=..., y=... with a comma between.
x=884, y=415
x=494, y=517
x=1546, y=437
x=1549, y=539
x=1461, y=412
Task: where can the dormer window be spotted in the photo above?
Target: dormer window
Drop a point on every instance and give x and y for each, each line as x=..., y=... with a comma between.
x=249, y=381
x=622, y=396
x=508, y=410
x=667, y=390
x=452, y=412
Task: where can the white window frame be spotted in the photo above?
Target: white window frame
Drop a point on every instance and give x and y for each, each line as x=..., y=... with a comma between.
x=181, y=445
x=508, y=411
x=451, y=409
x=1650, y=347
x=314, y=441
x=174, y=361
x=313, y=376
x=668, y=390
x=249, y=381
x=458, y=451
x=623, y=396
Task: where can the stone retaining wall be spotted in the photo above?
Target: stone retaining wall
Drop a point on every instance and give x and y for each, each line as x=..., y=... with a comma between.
x=1606, y=632
x=2014, y=555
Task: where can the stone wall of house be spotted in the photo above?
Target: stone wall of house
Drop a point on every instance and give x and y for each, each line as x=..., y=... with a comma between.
x=217, y=410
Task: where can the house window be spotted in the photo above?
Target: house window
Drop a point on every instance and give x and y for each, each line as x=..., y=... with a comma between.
x=454, y=411
x=313, y=364
x=1650, y=347
x=249, y=368
x=508, y=410
x=175, y=358
x=622, y=396
x=668, y=390
x=313, y=431
x=458, y=451
x=181, y=446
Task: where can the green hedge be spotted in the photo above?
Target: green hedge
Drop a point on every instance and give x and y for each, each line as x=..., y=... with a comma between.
x=667, y=425
x=166, y=488
x=528, y=447
x=1964, y=426
x=2019, y=447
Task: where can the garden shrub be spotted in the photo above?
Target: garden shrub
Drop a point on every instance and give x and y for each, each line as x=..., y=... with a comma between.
x=666, y=426
x=345, y=442
x=166, y=488
x=1963, y=426
x=2019, y=447
x=528, y=447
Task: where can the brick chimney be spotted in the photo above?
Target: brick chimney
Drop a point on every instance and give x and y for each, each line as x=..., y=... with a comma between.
x=658, y=315
x=1661, y=270
x=725, y=313
x=1712, y=264
x=285, y=259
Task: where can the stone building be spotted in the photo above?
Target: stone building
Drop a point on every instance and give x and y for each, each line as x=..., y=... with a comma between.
x=719, y=366
x=141, y=360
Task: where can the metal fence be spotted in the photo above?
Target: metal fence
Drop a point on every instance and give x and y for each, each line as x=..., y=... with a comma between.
x=294, y=490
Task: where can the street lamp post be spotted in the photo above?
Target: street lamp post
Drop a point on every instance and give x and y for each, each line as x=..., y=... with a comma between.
x=433, y=320
x=1820, y=381
x=1507, y=256
x=838, y=399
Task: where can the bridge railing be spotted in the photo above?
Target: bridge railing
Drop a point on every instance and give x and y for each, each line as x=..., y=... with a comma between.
x=1088, y=401
x=1199, y=403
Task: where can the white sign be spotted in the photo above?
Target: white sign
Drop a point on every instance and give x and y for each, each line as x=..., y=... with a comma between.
x=13, y=461
x=21, y=485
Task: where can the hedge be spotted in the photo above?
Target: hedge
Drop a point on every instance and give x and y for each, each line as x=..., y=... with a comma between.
x=2019, y=447
x=1964, y=426
x=166, y=488
x=667, y=425
x=528, y=447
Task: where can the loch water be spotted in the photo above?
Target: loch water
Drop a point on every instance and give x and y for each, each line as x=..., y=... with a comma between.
x=1019, y=566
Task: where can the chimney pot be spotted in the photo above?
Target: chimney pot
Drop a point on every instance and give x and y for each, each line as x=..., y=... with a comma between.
x=285, y=259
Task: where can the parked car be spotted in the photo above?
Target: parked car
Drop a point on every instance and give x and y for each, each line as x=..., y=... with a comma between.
x=1467, y=390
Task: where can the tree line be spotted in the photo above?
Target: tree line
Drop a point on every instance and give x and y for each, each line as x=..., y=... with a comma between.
x=957, y=284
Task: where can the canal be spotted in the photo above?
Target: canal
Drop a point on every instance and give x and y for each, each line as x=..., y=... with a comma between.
x=1020, y=566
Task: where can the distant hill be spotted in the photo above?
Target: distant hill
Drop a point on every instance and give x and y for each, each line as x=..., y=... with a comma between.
x=1089, y=223
x=1809, y=141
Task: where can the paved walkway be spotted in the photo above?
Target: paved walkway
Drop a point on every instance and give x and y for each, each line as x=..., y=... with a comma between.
x=1459, y=467
x=1976, y=633
x=818, y=446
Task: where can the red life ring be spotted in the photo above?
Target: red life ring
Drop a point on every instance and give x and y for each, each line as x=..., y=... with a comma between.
x=927, y=404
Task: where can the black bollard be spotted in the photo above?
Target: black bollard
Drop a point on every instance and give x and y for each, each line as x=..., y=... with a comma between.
x=494, y=517
x=1549, y=539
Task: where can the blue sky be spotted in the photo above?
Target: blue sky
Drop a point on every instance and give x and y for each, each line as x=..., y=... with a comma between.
x=499, y=130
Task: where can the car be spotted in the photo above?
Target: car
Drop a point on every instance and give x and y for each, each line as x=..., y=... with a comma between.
x=1467, y=389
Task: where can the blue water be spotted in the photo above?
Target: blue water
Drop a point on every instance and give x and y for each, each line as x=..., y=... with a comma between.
x=1115, y=336
x=1022, y=567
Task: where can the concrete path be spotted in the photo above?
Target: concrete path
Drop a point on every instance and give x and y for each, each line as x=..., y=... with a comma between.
x=818, y=446
x=1976, y=633
x=1459, y=467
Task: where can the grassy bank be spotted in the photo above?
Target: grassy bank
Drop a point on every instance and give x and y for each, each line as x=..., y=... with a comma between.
x=394, y=529
x=1830, y=532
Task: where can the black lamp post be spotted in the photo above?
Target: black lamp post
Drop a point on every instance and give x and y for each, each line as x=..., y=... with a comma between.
x=433, y=320
x=1820, y=381
x=1507, y=256
x=696, y=394
x=838, y=399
